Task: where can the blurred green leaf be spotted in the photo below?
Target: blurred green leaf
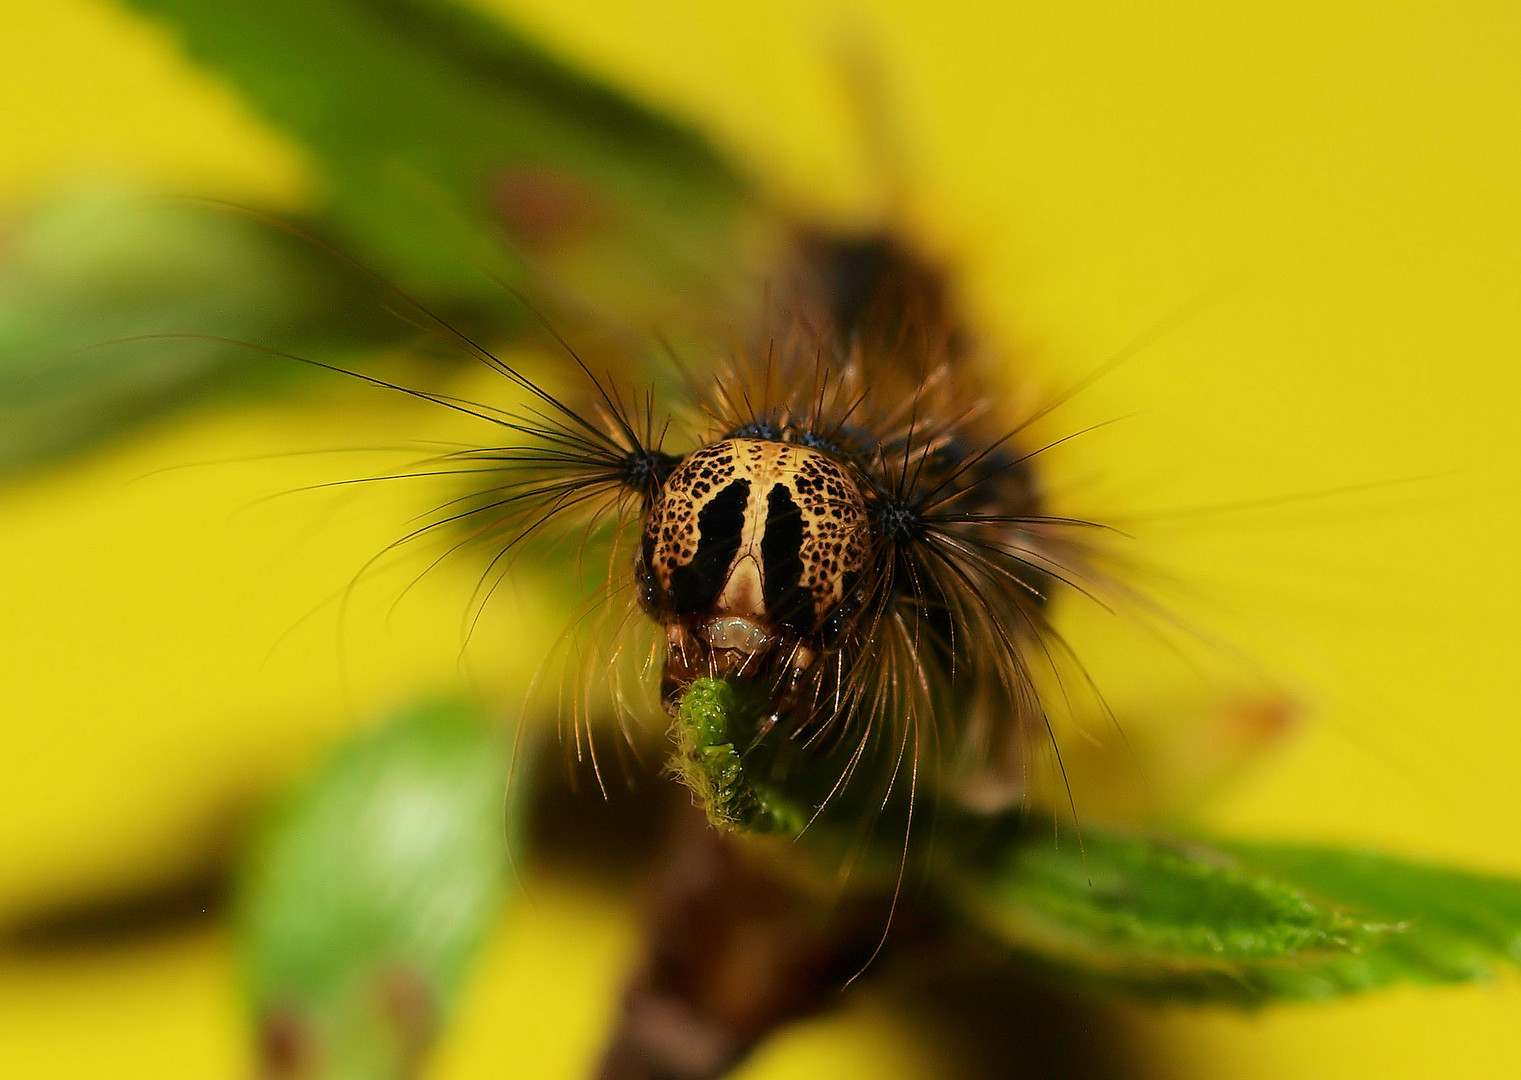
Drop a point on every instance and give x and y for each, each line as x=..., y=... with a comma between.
x=371, y=891
x=1451, y=925
x=437, y=134
x=1241, y=923
x=436, y=130
x=96, y=268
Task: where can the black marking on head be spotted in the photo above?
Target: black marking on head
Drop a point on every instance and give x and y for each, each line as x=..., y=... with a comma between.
x=782, y=561
x=720, y=527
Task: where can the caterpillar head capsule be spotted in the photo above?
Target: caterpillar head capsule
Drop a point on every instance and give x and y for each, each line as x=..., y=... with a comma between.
x=747, y=549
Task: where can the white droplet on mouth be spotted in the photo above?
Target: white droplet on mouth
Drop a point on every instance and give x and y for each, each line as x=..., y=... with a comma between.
x=733, y=632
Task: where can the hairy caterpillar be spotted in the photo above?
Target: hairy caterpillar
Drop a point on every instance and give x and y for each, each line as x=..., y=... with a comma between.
x=844, y=522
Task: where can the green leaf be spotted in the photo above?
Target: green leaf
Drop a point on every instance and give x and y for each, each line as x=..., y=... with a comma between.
x=371, y=891
x=716, y=732
x=1232, y=922
x=435, y=129
x=86, y=281
x=1451, y=925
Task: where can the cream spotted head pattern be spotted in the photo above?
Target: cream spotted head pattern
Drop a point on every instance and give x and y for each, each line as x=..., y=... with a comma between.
x=751, y=541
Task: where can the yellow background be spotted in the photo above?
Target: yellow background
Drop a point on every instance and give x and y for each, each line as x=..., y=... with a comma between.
x=1351, y=172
